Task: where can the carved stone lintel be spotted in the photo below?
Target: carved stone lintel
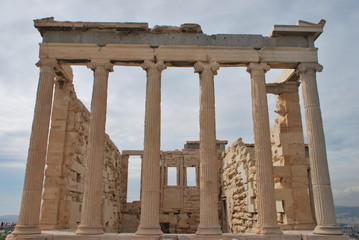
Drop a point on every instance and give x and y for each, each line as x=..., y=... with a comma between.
x=51, y=62
x=284, y=87
x=63, y=71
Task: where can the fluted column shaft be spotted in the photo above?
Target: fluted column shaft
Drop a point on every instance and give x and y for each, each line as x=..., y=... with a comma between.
x=150, y=191
x=91, y=214
x=208, y=155
x=322, y=192
x=34, y=176
x=267, y=215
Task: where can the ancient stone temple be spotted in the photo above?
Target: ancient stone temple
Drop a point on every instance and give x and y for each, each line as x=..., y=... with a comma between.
x=76, y=177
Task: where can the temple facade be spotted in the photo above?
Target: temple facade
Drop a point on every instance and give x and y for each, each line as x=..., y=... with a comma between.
x=76, y=178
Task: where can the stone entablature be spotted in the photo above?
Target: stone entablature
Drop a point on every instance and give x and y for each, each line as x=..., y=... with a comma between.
x=132, y=43
x=301, y=35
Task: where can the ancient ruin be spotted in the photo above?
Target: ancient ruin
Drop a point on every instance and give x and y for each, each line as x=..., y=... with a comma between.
x=76, y=178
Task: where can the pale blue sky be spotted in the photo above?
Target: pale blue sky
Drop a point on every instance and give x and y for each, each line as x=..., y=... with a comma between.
x=338, y=83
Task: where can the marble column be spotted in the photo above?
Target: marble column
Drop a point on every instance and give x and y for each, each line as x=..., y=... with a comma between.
x=208, y=223
x=91, y=214
x=150, y=190
x=267, y=214
x=322, y=192
x=31, y=197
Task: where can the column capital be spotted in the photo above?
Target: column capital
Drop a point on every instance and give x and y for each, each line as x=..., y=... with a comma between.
x=200, y=67
x=258, y=67
x=148, y=64
x=48, y=62
x=303, y=67
x=95, y=63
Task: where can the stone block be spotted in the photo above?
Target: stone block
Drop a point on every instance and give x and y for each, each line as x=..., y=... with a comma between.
x=77, y=167
x=53, y=171
x=75, y=186
x=53, y=181
x=324, y=237
x=56, y=147
x=59, y=113
x=298, y=159
x=299, y=171
x=51, y=193
x=299, y=182
x=49, y=212
x=282, y=171
x=54, y=158
x=291, y=137
x=57, y=135
x=295, y=148
x=283, y=194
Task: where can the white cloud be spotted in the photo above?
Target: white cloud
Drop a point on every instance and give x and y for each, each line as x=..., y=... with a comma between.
x=347, y=191
x=12, y=164
x=347, y=197
x=134, y=167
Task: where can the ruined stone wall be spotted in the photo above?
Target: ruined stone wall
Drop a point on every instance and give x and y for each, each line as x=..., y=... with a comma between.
x=65, y=167
x=238, y=187
x=179, y=203
x=291, y=178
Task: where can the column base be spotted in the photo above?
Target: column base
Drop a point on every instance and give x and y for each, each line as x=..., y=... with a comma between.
x=209, y=230
x=26, y=230
x=154, y=230
x=85, y=229
x=270, y=230
x=327, y=230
